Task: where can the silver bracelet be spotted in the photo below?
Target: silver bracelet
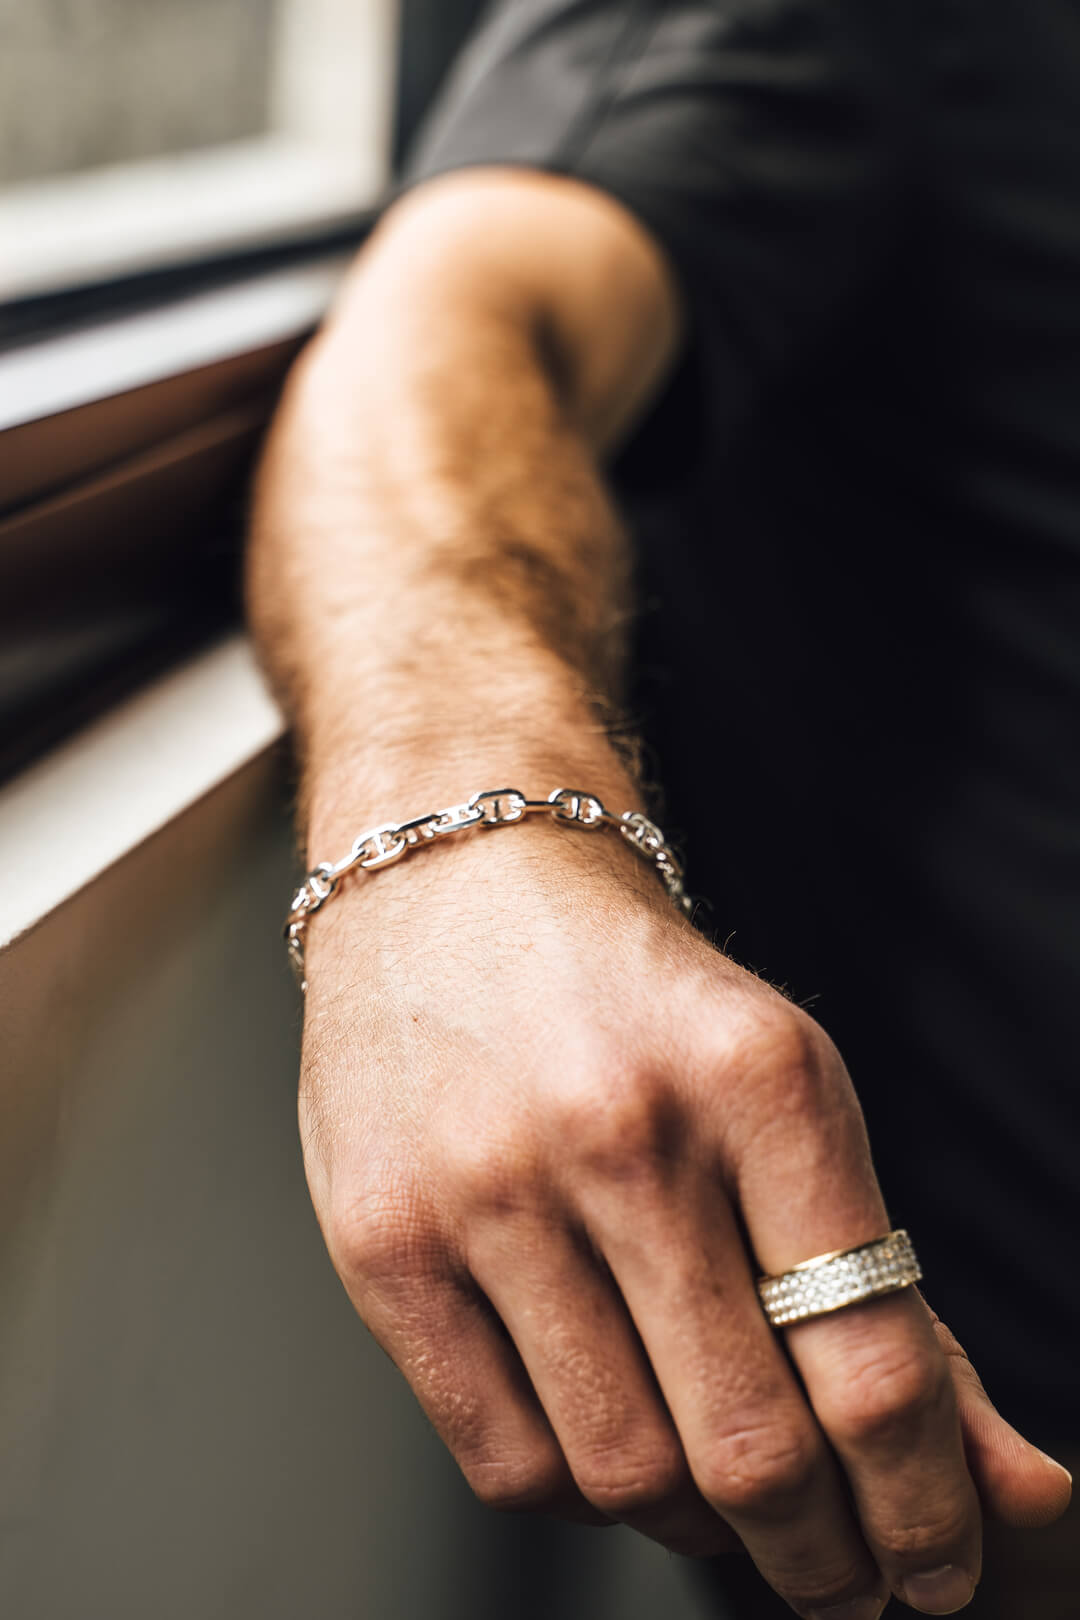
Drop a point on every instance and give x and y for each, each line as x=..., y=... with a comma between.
x=381, y=846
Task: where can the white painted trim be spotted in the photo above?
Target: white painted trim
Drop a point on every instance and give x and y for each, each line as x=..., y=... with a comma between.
x=81, y=228
x=325, y=158
x=115, y=356
x=99, y=795
x=332, y=76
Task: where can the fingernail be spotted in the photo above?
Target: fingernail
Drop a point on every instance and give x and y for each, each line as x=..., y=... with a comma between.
x=1055, y=1464
x=864, y=1608
x=939, y=1591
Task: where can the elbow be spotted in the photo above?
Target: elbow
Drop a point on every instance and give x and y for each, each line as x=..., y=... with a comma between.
x=551, y=271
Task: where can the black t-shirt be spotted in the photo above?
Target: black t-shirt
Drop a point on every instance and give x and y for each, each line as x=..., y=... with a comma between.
x=857, y=511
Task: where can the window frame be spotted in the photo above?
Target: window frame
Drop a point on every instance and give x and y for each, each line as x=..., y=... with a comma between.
x=324, y=159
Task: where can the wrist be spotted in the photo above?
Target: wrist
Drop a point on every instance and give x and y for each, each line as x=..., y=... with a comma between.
x=373, y=786
x=467, y=826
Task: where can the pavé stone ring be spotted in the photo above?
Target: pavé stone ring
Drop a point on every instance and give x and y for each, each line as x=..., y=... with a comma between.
x=831, y=1282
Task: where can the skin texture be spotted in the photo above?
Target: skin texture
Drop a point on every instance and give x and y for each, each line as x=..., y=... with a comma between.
x=551, y=1134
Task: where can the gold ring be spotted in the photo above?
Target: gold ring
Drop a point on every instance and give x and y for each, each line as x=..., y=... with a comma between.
x=831, y=1282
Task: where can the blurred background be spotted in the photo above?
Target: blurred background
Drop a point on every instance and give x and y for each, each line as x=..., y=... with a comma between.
x=192, y=1420
x=112, y=81
x=193, y=1423
x=180, y=187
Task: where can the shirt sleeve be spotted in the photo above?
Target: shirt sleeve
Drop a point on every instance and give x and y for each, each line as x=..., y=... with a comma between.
x=762, y=142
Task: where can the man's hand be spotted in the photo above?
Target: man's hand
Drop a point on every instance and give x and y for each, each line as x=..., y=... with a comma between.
x=550, y=1133
x=551, y=1136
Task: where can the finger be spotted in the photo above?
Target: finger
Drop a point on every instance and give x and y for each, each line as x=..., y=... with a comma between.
x=444, y=1337
x=879, y=1385
x=874, y=1373
x=586, y=1364
x=1017, y=1483
x=753, y=1445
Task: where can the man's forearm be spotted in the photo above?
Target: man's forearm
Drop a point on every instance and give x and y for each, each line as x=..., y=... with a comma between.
x=549, y=1132
x=438, y=581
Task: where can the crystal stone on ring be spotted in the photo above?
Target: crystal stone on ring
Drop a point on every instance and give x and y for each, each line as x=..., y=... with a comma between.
x=833, y=1281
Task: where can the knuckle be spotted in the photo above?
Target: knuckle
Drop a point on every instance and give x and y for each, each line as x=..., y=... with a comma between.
x=516, y=1485
x=758, y=1471
x=778, y=1060
x=629, y=1482
x=932, y=1535
x=379, y=1237
x=887, y=1396
x=489, y=1175
x=823, y=1585
x=620, y=1129
x=793, y=1053
x=790, y=1100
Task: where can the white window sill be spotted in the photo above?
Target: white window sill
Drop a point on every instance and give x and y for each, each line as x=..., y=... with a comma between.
x=131, y=351
x=86, y=228
x=86, y=805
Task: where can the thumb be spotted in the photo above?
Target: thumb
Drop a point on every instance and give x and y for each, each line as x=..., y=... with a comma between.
x=1017, y=1483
